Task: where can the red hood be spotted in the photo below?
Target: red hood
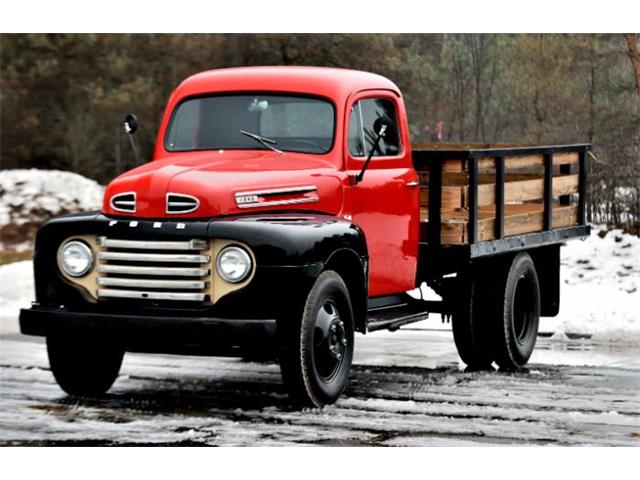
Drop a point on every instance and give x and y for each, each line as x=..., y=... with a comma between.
x=289, y=181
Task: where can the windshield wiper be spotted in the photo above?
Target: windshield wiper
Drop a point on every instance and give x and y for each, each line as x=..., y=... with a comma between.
x=267, y=142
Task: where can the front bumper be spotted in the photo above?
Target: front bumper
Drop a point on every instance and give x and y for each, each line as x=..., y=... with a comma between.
x=158, y=334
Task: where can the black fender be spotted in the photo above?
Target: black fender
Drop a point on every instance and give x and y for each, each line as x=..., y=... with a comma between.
x=290, y=251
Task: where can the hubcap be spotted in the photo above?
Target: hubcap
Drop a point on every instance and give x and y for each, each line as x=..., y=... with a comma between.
x=329, y=340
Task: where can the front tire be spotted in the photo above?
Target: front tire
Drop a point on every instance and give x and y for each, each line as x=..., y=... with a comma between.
x=83, y=366
x=518, y=304
x=318, y=349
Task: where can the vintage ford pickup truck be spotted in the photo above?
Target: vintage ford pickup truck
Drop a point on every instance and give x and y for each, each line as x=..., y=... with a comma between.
x=284, y=210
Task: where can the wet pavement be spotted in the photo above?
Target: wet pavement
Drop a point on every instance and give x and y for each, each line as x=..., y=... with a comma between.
x=407, y=388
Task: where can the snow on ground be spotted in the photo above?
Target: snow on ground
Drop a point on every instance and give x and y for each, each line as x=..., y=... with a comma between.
x=16, y=292
x=29, y=197
x=600, y=288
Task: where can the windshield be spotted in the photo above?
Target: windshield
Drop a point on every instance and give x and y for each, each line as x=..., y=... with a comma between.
x=296, y=124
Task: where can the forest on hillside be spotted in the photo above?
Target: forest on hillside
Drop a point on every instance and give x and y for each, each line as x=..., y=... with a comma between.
x=63, y=96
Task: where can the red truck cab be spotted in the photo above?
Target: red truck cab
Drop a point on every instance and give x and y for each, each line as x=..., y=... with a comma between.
x=385, y=204
x=284, y=210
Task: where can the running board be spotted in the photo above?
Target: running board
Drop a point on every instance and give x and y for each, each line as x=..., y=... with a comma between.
x=392, y=317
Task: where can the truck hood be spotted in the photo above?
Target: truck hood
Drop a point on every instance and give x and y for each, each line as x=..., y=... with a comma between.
x=224, y=183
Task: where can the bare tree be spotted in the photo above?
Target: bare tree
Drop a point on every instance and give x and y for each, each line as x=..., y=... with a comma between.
x=632, y=43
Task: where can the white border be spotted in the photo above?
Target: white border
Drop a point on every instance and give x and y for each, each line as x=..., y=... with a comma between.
x=275, y=16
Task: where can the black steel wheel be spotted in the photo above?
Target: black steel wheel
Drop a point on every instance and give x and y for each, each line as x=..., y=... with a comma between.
x=83, y=365
x=518, y=301
x=318, y=348
x=473, y=319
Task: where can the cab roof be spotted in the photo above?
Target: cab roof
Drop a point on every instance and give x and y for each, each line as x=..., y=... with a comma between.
x=334, y=83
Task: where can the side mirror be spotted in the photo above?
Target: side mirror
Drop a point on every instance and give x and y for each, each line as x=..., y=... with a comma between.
x=378, y=124
x=130, y=123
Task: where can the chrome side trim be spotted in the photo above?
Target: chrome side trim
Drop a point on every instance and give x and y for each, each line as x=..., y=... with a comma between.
x=126, y=202
x=279, y=191
x=149, y=283
x=111, y=293
x=153, y=271
x=274, y=203
x=154, y=257
x=152, y=245
x=248, y=199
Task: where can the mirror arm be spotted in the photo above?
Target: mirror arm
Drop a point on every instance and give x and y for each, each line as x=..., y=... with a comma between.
x=360, y=176
x=134, y=147
x=130, y=130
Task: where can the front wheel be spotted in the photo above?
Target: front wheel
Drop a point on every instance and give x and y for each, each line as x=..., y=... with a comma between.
x=318, y=349
x=83, y=365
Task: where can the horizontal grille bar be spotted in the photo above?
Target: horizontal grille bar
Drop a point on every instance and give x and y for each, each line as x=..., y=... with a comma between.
x=154, y=257
x=150, y=270
x=152, y=245
x=153, y=271
x=112, y=293
x=152, y=283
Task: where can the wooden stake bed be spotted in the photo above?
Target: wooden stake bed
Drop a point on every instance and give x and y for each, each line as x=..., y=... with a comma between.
x=479, y=193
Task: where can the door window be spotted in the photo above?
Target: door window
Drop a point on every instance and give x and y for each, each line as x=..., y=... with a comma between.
x=364, y=128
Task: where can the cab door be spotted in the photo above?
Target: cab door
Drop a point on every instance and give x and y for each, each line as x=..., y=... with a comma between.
x=385, y=204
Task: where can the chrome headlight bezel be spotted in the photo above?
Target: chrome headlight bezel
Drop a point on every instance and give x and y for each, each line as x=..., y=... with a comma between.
x=82, y=248
x=240, y=254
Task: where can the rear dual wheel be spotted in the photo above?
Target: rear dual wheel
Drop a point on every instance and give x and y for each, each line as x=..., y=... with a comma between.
x=518, y=304
x=497, y=319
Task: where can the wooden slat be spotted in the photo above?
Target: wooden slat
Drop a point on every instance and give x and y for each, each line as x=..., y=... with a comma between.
x=566, y=158
x=519, y=219
x=517, y=188
x=527, y=188
x=528, y=161
x=565, y=185
x=452, y=197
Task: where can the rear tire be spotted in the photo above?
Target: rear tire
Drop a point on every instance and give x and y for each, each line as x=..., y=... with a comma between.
x=518, y=304
x=83, y=366
x=318, y=349
x=472, y=321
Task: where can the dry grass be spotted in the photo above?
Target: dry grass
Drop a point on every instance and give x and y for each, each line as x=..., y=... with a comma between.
x=8, y=257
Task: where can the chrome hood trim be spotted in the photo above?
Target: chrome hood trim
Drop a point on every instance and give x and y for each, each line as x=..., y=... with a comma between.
x=259, y=198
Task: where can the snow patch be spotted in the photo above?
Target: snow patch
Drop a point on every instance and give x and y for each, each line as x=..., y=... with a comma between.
x=29, y=197
x=16, y=292
x=599, y=288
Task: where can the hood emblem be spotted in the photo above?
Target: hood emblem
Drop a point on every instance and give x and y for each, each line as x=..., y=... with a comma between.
x=268, y=198
x=181, y=203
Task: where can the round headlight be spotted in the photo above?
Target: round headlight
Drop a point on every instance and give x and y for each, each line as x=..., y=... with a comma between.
x=75, y=258
x=234, y=264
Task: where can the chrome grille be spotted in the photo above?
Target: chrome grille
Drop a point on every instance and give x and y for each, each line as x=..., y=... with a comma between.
x=153, y=270
x=124, y=202
x=180, y=203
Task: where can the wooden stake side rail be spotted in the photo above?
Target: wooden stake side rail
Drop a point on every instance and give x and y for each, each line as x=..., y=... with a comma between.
x=482, y=194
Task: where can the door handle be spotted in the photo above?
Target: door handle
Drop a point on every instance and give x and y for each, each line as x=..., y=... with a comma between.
x=413, y=183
